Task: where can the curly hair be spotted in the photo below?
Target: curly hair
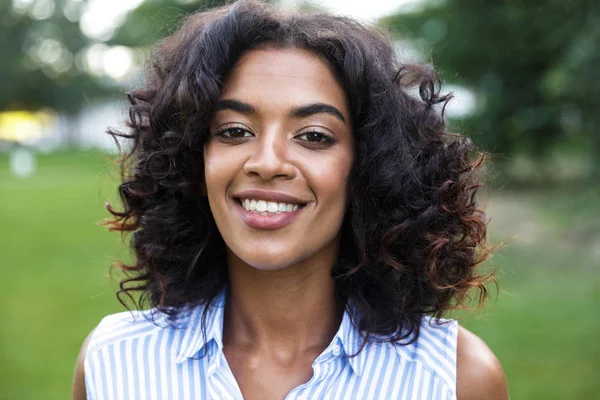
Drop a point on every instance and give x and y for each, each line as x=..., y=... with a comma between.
x=413, y=235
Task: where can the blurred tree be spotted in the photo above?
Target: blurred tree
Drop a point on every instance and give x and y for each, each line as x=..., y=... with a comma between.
x=155, y=19
x=45, y=52
x=39, y=46
x=532, y=64
x=43, y=49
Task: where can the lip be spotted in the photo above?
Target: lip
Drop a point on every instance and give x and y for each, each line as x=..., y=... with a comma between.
x=267, y=195
x=270, y=221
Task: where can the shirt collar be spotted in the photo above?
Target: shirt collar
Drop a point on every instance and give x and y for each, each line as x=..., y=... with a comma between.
x=195, y=341
x=351, y=340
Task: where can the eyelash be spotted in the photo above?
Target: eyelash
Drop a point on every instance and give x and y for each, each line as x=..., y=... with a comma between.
x=325, y=139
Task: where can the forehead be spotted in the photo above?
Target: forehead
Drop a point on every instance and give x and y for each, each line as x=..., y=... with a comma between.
x=287, y=76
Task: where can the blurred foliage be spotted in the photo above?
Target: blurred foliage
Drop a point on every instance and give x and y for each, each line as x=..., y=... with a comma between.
x=155, y=19
x=39, y=67
x=532, y=64
x=43, y=49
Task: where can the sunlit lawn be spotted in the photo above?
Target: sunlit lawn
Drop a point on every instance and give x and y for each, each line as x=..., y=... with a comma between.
x=55, y=262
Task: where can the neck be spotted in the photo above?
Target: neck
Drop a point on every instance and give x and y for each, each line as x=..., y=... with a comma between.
x=293, y=309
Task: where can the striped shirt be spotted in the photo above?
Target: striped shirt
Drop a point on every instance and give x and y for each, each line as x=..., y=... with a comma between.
x=130, y=357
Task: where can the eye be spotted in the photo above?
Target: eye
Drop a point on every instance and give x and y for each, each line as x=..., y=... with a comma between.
x=315, y=138
x=234, y=132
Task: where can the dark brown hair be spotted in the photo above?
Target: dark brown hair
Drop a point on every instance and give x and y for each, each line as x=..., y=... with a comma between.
x=413, y=235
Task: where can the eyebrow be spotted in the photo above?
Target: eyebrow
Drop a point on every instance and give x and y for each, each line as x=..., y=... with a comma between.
x=296, y=112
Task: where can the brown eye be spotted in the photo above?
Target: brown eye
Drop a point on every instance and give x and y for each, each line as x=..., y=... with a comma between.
x=234, y=133
x=315, y=137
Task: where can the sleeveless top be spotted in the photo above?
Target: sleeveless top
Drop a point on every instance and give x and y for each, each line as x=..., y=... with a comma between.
x=131, y=357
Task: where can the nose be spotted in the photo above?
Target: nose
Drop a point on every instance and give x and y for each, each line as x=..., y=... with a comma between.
x=269, y=158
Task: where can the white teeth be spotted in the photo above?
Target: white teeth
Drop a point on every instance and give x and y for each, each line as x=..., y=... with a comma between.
x=263, y=207
x=272, y=207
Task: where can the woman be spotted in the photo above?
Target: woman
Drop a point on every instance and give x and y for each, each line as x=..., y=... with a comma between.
x=300, y=222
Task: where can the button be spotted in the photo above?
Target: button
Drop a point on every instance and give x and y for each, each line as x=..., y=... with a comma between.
x=337, y=350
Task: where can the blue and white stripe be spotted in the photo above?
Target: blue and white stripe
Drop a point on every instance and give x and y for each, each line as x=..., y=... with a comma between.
x=130, y=357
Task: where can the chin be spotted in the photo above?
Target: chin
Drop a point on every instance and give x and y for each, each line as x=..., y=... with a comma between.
x=269, y=262
x=273, y=255
x=262, y=259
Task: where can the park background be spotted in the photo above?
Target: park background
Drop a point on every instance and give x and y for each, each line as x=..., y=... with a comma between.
x=526, y=77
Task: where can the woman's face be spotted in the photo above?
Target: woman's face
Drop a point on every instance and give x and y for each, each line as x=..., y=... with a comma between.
x=278, y=159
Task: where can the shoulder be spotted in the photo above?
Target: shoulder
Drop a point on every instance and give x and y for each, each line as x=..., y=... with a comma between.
x=125, y=326
x=433, y=353
x=479, y=373
x=112, y=331
x=79, y=392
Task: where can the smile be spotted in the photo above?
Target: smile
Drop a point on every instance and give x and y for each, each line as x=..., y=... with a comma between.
x=267, y=215
x=263, y=206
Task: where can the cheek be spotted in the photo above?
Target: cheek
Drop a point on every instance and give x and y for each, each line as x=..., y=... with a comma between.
x=330, y=181
x=217, y=173
x=333, y=176
x=218, y=165
x=211, y=161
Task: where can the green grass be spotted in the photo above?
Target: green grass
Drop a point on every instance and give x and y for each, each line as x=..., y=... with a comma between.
x=544, y=326
x=55, y=261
